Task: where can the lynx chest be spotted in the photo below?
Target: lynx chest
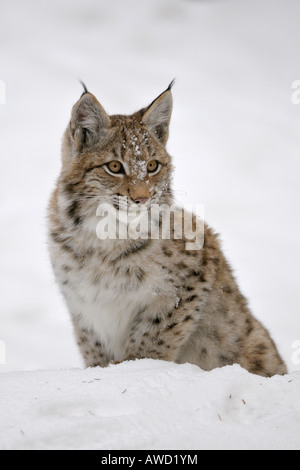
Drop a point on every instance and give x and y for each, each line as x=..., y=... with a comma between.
x=107, y=301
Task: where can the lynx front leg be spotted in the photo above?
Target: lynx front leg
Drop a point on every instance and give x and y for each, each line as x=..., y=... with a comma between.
x=90, y=348
x=159, y=336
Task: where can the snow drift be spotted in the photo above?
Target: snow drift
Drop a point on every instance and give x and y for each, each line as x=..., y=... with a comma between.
x=235, y=126
x=149, y=404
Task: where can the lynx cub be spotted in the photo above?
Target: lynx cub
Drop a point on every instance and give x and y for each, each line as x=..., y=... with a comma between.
x=136, y=298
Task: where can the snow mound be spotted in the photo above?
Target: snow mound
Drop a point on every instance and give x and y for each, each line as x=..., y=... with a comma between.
x=149, y=404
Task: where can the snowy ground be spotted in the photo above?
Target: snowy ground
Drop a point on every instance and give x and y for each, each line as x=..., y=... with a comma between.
x=149, y=404
x=235, y=138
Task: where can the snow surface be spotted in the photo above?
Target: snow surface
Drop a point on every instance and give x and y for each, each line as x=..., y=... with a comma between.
x=235, y=139
x=149, y=404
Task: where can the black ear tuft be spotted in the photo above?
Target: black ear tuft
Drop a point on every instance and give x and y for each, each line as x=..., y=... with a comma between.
x=171, y=84
x=84, y=87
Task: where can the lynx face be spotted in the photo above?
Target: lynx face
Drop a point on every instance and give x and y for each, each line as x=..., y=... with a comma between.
x=117, y=160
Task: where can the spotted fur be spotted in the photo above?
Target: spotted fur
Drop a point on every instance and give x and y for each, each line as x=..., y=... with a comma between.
x=142, y=298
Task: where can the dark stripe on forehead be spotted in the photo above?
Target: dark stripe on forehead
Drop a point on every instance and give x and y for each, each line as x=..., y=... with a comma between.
x=115, y=153
x=123, y=143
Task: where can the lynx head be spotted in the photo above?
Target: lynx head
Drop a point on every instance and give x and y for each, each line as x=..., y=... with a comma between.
x=119, y=160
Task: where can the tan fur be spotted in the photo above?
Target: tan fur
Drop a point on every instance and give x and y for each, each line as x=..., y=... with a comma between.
x=142, y=298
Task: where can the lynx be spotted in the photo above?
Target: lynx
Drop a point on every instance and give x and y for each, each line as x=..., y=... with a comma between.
x=142, y=298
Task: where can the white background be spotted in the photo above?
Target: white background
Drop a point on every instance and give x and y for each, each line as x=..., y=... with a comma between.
x=235, y=139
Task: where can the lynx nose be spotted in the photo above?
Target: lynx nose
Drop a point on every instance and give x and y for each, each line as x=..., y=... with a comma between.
x=141, y=200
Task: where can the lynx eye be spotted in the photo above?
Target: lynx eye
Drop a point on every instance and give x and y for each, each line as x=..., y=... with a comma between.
x=153, y=166
x=115, y=167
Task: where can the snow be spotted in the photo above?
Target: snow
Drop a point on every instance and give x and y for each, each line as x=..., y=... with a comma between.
x=235, y=138
x=139, y=168
x=149, y=404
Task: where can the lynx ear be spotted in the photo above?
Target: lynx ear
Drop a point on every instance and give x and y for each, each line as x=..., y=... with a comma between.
x=89, y=122
x=158, y=115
